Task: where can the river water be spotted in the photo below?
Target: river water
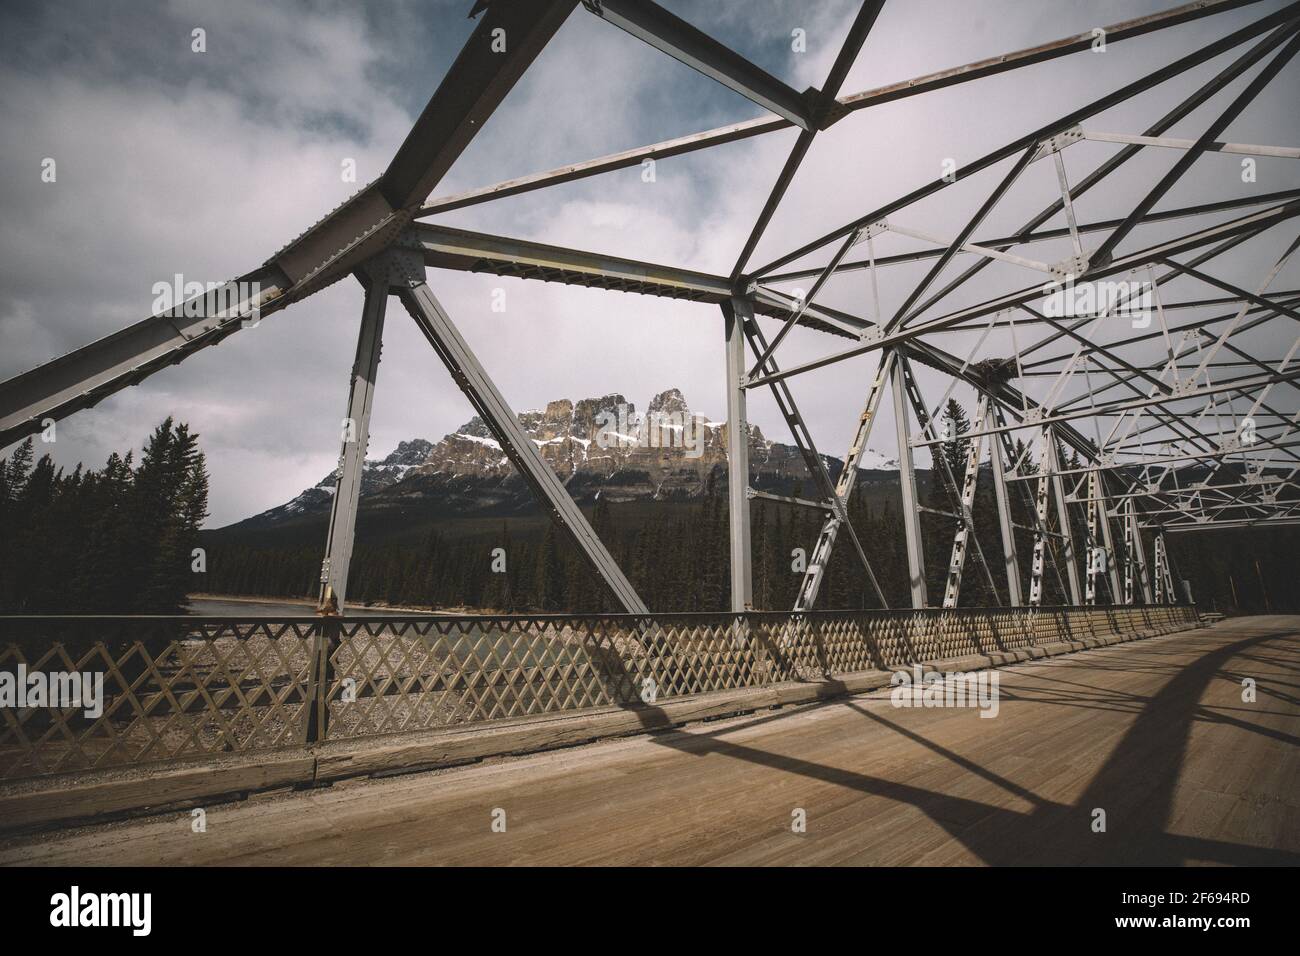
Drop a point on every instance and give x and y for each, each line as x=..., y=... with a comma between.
x=248, y=607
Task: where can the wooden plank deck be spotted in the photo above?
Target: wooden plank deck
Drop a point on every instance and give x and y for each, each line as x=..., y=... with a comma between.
x=1155, y=733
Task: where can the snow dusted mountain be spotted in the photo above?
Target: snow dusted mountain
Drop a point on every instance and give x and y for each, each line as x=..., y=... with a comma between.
x=596, y=446
x=376, y=476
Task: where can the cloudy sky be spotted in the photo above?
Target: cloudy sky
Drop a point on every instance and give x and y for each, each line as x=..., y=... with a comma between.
x=170, y=160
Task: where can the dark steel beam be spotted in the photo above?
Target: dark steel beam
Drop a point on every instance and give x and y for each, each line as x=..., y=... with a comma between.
x=479, y=79
x=1106, y=250
x=1179, y=112
x=1251, y=224
x=651, y=23
x=862, y=25
x=1126, y=92
x=1002, y=243
x=328, y=251
x=84, y=377
x=914, y=86
x=465, y=251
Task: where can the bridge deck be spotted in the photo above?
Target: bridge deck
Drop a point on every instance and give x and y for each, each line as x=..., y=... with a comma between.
x=1155, y=733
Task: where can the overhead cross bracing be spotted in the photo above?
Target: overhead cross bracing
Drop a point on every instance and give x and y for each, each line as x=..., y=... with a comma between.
x=1140, y=386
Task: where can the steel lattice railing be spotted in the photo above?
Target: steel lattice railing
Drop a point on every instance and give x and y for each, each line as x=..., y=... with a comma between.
x=178, y=687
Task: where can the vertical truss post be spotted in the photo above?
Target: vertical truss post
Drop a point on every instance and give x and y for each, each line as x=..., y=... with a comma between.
x=812, y=579
x=907, y=482
x=488, y=401
x=1107, y=539
x=1041, y=501
x=953, y=589
x=1130, y=563
x=1063, y=519
x=1095, y=555
x=945, y=472
x=1037, y=514
x=813, y=462
x=998, y=466
x=738, y=312
x=1140, y=557
x=1067, y=203
x=1164, y=580
x=352, y=457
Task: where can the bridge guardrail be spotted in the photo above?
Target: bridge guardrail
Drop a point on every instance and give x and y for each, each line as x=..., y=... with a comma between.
x=175, y=687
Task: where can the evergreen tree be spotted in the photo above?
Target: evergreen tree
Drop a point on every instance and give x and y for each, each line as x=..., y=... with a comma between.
x=115, y=540
x=548, y=592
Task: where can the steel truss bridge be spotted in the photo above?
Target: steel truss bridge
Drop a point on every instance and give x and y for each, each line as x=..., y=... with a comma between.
x=1156, y=399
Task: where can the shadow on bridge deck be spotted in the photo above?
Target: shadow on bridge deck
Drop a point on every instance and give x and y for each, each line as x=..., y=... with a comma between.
x=1136, y=784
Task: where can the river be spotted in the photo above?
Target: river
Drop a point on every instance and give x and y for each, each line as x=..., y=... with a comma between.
x=257, y=607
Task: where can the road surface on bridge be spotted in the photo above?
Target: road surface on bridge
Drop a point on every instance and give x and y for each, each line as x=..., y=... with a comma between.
x=1154, y=733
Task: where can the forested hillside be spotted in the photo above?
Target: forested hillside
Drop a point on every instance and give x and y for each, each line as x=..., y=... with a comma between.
x=123, y=538
x=675, y=551
x=117, y=539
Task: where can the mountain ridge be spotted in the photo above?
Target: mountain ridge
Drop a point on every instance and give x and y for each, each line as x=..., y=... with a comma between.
x=597, y=446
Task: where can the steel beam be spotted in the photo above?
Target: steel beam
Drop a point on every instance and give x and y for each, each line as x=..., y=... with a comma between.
x=1158, y=459
x=914, y=86
x=816, y=571
x=735, y=314
x=463, y=250
x=1124, y=93
x=1108, y=541
x=812, y=459
x=1170, y=142
x=1095, y=552
x=862, y=25
x=1010, y=559
x=326, y=252
x=651, y=23
x=1035, y=507
x=1041, y=501
x=1106, y=250
x=506, y=40
x=474, y=86
x=952, y=592
x=84, y=377
x=1130, y=562
x=1120, y=158
x=960, y=513
x=1269, y=522
x=1253, y=223
x=960, y=242
x=488, y=401
x=1165, y=593
x=907, y=485
x=1139, y=553
x=1241, y=384
x=1070, y=555
x=987, y=246
x=356, y=439
x=802, y=306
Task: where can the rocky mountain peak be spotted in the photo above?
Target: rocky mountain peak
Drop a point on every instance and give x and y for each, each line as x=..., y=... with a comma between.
x=596, y=445
x=669, y=402
x=413, y=452
x=590, y=413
